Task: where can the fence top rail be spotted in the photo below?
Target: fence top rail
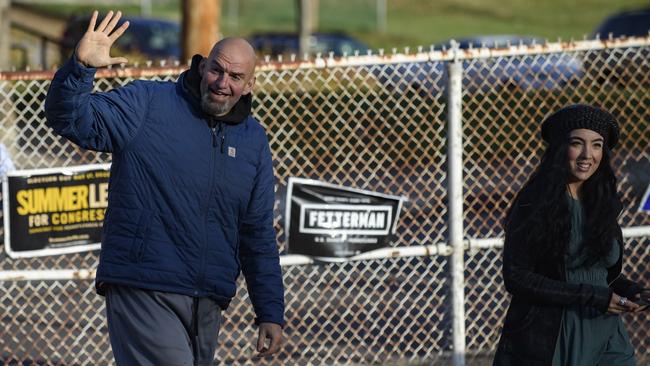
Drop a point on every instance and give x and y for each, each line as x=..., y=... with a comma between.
x=419, y=54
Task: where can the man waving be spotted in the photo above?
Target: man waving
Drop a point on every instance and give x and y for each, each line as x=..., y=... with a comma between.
x=190, y=198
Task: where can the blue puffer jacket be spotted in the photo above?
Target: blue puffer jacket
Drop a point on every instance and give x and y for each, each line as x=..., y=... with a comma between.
x=189, y=204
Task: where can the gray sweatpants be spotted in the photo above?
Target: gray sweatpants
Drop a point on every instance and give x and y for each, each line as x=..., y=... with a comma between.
x=158, y=328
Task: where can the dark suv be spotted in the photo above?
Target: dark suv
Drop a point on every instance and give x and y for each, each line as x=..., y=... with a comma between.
x=550, y=71
x=146, y=39
x=635, y=23
x=621, y=67
x=286, y=44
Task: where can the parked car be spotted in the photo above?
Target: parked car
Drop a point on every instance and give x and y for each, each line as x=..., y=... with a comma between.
x=615, y=66
x=532, y=72
x=633, y=23
x=146, y=39
x=491, y=41
x=286, y=44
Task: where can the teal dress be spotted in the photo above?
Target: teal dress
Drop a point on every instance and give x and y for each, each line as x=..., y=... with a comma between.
x=587, y=336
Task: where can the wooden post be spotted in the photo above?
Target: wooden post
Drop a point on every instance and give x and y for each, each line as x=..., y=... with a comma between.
x=200, y=27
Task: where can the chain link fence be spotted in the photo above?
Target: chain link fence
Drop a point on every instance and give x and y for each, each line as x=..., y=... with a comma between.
x=375, y=123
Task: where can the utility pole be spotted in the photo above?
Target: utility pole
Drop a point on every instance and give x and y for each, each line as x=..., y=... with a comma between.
x=145, y=8
x=200, y=26
x=381, y=16
x=233, y=14
x=5, y=39
x=307, y=23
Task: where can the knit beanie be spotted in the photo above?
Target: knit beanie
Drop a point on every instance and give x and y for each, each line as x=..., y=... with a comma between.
x=557, y=126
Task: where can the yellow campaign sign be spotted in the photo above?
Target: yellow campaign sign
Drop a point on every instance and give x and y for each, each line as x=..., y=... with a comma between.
x=55, y=211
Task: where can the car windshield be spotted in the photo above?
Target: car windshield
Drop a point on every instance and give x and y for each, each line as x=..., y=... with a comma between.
x=285, y=44
x=338, y=45
x=497, y=41
x=152, y=38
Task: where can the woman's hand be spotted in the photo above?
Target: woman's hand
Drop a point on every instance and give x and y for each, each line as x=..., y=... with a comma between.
x=619, y=304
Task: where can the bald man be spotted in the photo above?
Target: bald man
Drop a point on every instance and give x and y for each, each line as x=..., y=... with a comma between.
x=190, y=202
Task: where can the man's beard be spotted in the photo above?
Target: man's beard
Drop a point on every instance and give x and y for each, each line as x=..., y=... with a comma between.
x=212, y=108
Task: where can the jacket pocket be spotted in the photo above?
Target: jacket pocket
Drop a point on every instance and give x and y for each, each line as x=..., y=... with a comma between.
x=105, y=223
x=239, y=174
x=232, y=235
x=138, y=245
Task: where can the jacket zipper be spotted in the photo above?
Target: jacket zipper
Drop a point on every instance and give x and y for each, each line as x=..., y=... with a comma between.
x=222, y=131
x=615, y=278
x=214, y=135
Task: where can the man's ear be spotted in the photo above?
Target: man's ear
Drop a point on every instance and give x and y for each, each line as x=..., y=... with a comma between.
x=249, y=85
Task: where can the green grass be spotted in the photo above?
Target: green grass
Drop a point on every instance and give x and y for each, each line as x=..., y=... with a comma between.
x=412, y=22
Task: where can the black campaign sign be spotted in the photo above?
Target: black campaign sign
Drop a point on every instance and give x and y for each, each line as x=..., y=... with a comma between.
x=55, y=211
x=330, y=222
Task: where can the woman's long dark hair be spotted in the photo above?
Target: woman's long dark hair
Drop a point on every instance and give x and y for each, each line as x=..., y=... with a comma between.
x=547, y=223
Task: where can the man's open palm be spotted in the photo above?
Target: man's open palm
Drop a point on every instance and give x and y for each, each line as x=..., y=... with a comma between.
x=93, y=50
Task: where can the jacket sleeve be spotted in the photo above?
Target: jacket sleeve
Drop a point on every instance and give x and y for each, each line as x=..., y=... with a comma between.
x=258, y=250
x=95, y=121
x=521, y=279
x=621, y=285
x=625, y=287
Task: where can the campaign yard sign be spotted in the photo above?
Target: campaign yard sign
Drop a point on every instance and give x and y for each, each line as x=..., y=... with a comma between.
x=54, y=211
x=332, y=223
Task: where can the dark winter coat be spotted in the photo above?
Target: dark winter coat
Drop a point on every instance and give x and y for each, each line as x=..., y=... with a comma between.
x=539, y=293
x=190, y=198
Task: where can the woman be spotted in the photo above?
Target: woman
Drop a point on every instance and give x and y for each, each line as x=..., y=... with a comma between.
x=563, y=252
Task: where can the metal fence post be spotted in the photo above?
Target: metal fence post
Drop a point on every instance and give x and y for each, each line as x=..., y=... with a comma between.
x=455, y=205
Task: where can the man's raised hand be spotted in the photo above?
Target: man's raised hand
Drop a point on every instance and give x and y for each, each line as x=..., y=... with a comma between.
x=93, y=50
